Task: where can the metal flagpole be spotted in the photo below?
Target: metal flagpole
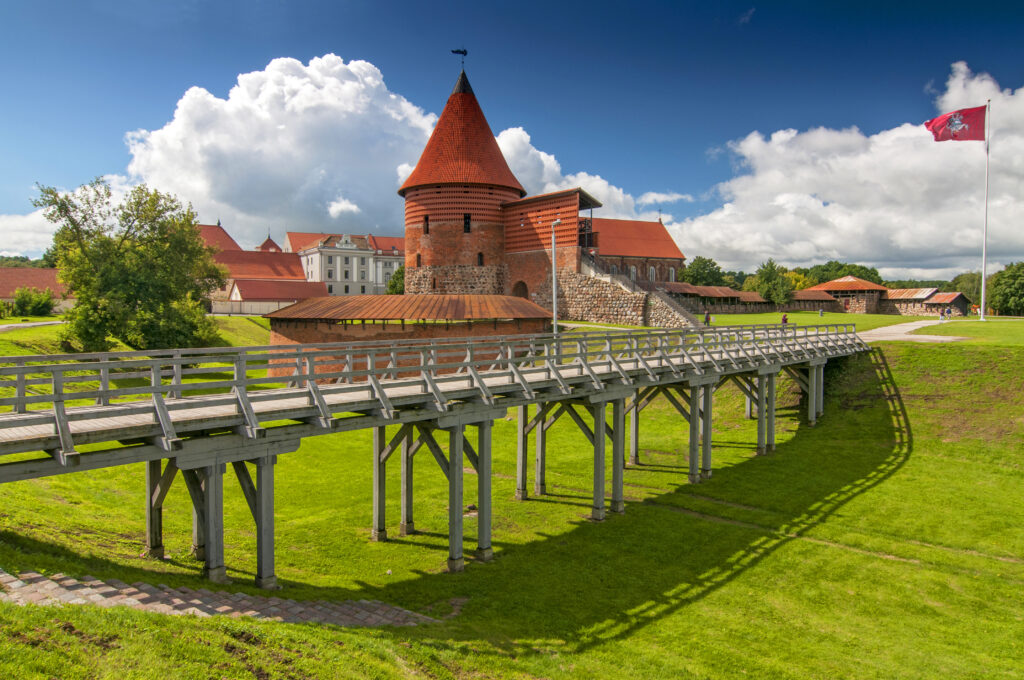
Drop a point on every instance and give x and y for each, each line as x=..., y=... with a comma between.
x=984, y=229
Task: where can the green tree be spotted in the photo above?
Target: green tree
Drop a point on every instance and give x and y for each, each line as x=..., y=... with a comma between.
x=735, y=280
x=396, y=284
x=1007, y=290
x=138, y=270
x=771, y=282
x=703, y=271
x=798, y=280
x=834, y=269
x=33, y=302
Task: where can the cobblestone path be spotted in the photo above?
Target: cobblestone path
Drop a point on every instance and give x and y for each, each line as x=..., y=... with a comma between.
x=33, y=588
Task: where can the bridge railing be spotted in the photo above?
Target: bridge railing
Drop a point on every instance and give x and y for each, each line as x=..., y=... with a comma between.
x=39, y=382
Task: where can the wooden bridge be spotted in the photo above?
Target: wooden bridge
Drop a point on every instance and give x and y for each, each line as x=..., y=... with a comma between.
x=196, y=411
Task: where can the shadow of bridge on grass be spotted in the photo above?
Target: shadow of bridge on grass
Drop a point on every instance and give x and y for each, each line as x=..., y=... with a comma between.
x=600, y=582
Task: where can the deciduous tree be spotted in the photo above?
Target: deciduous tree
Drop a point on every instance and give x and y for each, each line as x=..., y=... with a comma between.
x=703, y=271
x=138, y=270
x=396, y=284
x=771, y=283
x=1008, y=290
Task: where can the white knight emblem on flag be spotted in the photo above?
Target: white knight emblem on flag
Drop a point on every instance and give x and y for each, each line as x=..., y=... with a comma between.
x=956, y=124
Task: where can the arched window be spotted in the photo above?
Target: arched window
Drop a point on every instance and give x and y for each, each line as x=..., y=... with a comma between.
x=419, y=260
x=519, y=290
x=615, y=269
x=652, y=274
x=632, y=273
x=671, y=273
x=479, y=259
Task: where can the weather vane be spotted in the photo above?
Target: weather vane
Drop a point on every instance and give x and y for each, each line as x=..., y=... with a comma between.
x=463, y=53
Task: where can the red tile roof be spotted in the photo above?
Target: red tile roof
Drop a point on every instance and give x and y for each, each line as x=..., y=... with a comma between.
x=634, y=238
x=215, y=236
x=909, y=293
x=387, y=243
x=300, y=240
x=413, y=307
x=943, y=298
x=253, y=264
x=810, y=294
x=13, y=278
x=462, y=148
x=280, y=290
x=848, y=283
x=269, y=246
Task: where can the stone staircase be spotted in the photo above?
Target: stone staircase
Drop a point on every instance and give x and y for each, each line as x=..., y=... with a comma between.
x=33, y=588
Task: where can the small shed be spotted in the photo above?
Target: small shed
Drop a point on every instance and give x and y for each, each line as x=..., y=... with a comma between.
x=956, y=302
x=854, y=294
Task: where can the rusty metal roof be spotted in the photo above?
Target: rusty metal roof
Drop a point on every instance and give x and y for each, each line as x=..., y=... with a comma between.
x=848, y=283
x=909, y=293
x=412, y=307
x=944, y=298
x=810, y=294
x=750, y=296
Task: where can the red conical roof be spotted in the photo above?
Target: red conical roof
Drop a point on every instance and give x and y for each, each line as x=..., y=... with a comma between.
x=462, y=148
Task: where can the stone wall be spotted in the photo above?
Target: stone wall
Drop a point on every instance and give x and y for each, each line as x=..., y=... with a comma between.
x=456, y=280
x=658, y=312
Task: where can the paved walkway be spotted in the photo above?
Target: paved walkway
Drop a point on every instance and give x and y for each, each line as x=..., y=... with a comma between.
x=33, y=588
x=12, y=326
x=903, y=331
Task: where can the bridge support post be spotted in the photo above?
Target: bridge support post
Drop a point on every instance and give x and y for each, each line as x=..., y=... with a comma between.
x=771, y=412
x=540, y=483
x=154, y=511
x=705, y=430
x=762, y=395
x=618, y=454
x=693, y=406
x=634, y=429
x=821, y=389
x=213, y=524
x=815, y=387
x=456, y=561
x=522, y=448
x=748, y=407
x=265, y=572
x=598, y=411
x=379, y=531
x=407, y=526
x=484, y=551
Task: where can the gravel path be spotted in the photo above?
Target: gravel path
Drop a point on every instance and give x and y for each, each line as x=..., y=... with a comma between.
x=903, y=331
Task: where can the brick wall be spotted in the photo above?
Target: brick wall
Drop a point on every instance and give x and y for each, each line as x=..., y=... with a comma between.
x=662, y=266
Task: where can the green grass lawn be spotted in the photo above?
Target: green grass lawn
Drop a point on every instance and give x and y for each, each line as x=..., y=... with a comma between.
x=991, y=331
x=887, y=541
x=864, y=322
x=29, y=319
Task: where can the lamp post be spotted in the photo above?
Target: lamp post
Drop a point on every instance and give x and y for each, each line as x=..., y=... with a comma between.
x=554, y=279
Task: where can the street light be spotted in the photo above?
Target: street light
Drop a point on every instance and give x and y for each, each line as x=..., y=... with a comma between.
x=554, y=279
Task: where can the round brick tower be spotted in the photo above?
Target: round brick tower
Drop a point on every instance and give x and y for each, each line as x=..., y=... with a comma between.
x=454, y=236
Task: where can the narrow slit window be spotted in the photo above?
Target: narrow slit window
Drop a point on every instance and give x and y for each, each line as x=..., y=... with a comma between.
x=465, y=223
x=426, y=224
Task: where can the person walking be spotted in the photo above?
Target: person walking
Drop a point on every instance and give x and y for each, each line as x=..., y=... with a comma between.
x=785, y=318
x=707, y=317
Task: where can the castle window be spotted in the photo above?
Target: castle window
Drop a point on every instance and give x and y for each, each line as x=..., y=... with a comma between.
x=419, y=260
x=632, y=273
x=671, y=273
x=615, y=269
x=652, y=274
x=479, y=259
x=426, y=224
x=465, y=223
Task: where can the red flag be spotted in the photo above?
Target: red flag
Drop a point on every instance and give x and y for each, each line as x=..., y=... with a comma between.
x=960, y=126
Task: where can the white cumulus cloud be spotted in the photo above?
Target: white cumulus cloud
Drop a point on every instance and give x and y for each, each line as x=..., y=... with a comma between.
x=654, y=197
x=284, y=147
x=896, y=200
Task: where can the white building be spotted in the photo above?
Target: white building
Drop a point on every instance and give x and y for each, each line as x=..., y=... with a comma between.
x=349, y=264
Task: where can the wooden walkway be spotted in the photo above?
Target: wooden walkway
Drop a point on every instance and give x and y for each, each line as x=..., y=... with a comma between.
x=198, y=411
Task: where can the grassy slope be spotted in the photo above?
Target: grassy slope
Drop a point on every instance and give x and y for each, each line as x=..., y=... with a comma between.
x=884, y=542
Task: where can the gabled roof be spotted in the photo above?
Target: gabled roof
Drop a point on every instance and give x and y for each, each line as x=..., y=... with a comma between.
x=279, y=290
x=215, y=236
x=462, y=148
x=750, y=296
x=634, y=238
x=387, y=244
x=13, y=278
x=909, y=293
x=253, y=264
x=944, y=298
x=683, y=288
x=413, y=307
x=297, y=241
x=848, y=283
x=269, y=246
x=810, y=294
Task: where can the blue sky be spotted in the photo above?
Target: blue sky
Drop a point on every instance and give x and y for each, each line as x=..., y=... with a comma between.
x=650, y=97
